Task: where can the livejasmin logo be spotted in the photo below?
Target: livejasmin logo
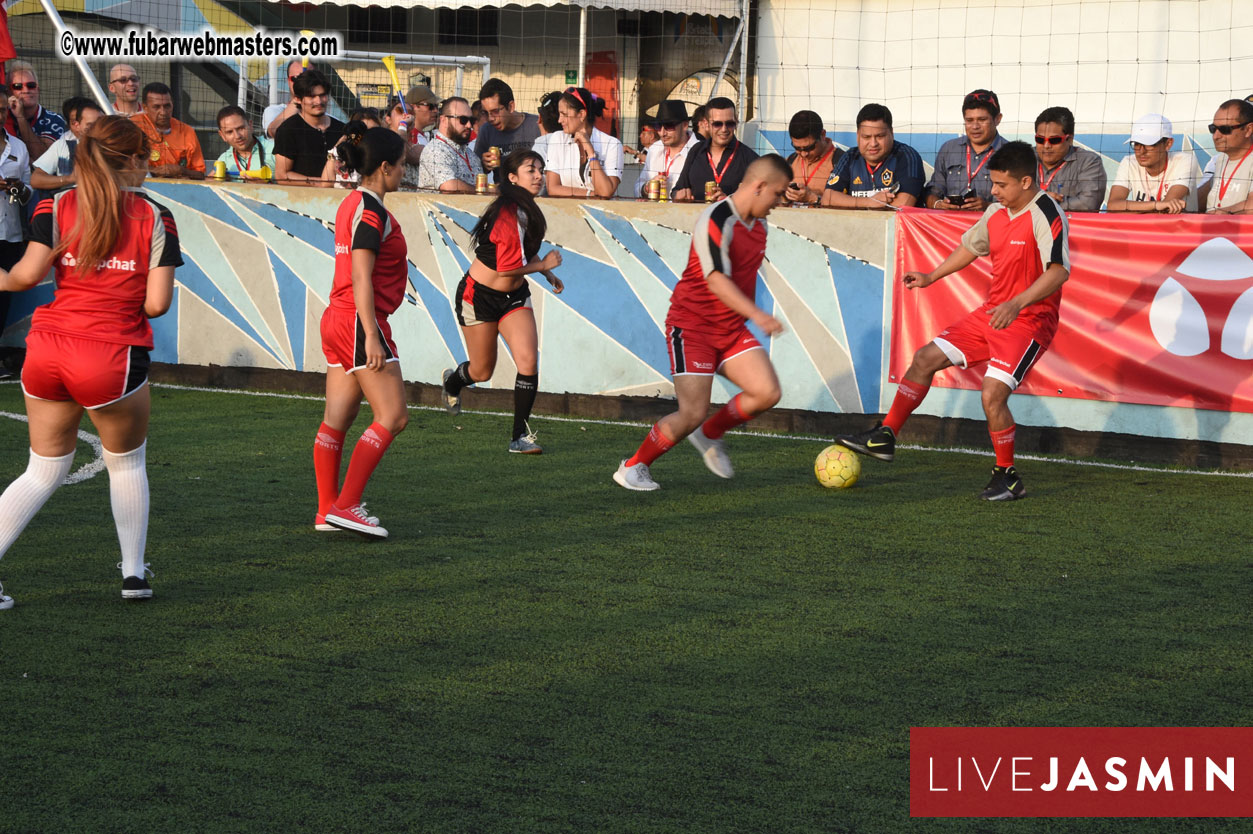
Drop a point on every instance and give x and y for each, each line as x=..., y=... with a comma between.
x=1081, y=772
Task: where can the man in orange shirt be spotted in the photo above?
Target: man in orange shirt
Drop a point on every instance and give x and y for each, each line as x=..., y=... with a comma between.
x=813, y=161
x=175, y=148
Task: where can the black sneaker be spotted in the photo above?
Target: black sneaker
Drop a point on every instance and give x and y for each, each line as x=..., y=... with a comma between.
x=1005, y=485
x=136, y=587
x=879, y=442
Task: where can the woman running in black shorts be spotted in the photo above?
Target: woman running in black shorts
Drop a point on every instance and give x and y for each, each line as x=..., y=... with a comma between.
x=494, y=296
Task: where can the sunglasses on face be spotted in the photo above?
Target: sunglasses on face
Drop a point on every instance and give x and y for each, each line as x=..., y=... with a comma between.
x=427, y=105
x=1225, y=130
x=729, y=124
x=126, y=79
x=463, y=120
x=669, y=125
x=805, y=149
x=1051, y=140
x=1140, y=146
x=34, y=85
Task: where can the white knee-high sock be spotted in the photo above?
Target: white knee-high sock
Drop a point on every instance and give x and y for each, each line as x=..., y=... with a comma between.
x=27, y=494
x=128, y=492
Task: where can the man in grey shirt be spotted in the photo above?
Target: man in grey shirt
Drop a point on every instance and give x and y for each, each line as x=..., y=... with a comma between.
x=505, y=128
x=1072, y=176
x=961, y=179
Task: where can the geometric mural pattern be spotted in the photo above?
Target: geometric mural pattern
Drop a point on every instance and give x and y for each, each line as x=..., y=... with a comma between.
x=258, y=268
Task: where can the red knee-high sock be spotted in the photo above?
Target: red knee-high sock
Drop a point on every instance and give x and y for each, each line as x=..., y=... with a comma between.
x=653, y=447
x=328, y=450
x=1003, y=443
x=908, y=397
x=365, y=457
x=727, y=417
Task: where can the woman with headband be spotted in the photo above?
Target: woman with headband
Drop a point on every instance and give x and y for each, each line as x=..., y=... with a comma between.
x=582, y=161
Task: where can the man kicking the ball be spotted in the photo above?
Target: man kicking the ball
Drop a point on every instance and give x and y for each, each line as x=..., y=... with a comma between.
x=706, y=332
x=1027, y=236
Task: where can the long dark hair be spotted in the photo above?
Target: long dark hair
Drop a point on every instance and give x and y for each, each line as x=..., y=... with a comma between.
x=364, y=149
x=536, y=225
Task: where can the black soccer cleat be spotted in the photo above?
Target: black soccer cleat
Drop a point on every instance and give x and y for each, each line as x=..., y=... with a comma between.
x=1005, y=485
x=879, y=442
x=136, y=587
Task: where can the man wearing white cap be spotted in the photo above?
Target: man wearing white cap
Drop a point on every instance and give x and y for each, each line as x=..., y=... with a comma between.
x=1151, y=178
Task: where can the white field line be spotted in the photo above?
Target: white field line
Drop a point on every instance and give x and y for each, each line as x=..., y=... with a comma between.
x=88, y=470
x=1128, y=467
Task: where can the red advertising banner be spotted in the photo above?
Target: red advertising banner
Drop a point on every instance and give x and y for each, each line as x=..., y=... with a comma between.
x=1081, y=771
x=1158, y=310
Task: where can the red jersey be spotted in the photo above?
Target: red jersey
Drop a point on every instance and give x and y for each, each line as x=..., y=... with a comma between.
x=725, y=243
x=1021, y=246
x=363, y=223
x=504, y=248
x=106, y=304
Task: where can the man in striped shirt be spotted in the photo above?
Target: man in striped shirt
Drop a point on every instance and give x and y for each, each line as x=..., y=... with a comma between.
x=1026, y=234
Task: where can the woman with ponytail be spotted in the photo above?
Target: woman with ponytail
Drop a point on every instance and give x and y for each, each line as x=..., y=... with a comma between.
x=371, y=269
x=582, y=161
x=494, y=296
x=115, y=250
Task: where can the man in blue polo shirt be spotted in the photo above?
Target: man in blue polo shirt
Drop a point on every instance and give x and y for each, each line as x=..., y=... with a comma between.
x=880, y=172
x=961, y=179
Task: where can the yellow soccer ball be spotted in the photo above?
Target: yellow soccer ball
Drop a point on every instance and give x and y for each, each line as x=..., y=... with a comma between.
x=837, y=467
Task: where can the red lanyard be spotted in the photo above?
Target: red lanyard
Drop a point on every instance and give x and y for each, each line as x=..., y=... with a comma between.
x=670, y=161
x=875, y=170
x=465, y=157
x=1162, y=184
x=1049, y=181
x=809, y=175
x=970, y=177
x=1224, y=182
x=242, y=166
x=726, y=162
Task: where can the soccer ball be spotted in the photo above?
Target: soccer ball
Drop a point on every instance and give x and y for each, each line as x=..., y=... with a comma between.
x=837, y=467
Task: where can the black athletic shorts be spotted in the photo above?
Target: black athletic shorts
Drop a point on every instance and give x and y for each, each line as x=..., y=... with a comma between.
x=477, y=304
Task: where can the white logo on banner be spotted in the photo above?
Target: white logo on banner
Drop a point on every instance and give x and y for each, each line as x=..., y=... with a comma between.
x=1176, y=317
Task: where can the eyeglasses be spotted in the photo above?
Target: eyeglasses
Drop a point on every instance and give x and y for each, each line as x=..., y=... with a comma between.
x=464, y=120
x=1140, y=146
x=427, y=105
x=126, y=79
x=805, y=149
x=1225, y=130
x=669, y=125
x=729, y=124
x=34, y=85
x=1051, y=140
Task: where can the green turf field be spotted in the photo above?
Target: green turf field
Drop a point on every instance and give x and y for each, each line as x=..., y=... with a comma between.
x=537, y=650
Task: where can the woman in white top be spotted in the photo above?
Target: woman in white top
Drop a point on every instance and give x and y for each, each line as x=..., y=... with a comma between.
x=582, y=161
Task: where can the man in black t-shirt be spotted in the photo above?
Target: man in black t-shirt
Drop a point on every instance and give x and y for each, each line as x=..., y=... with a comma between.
x=302, y=144
x=722, y=160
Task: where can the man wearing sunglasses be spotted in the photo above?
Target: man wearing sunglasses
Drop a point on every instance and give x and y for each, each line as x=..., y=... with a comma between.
x=1072, y=176
x=1228, y=190
x=36, y=127
x=274, y=115
x=961, y=179
x=507, y=128
x=722, y=160
x=124, y=84
x=1151, y=178
x=667, y=156
x=303, y=144
x=880, y=172
x=814, y=159
x=448, y=163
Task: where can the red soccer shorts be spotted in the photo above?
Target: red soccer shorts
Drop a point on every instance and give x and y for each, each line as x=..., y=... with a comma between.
x=86, y=371
x=1010, y=353
x=343, y=339
x=701, y=353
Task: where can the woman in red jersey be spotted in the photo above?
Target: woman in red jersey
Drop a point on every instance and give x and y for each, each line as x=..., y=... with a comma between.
x=371, y=270
x=494, y=296
x=115, y=250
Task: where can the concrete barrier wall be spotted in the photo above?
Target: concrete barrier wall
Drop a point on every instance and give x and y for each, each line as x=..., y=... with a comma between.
x=259, y=266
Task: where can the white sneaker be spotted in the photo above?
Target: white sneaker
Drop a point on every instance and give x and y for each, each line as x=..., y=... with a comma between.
x=635, y=477
x=713, y=452
x=5, y=601
x=356, y=520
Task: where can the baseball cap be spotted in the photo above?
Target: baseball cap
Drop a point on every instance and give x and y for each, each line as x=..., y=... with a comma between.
x=421, y=93
x=1151, y=129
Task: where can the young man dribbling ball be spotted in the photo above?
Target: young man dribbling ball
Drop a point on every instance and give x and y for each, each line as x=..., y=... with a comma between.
x=706, y=332
x=1027, y=236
